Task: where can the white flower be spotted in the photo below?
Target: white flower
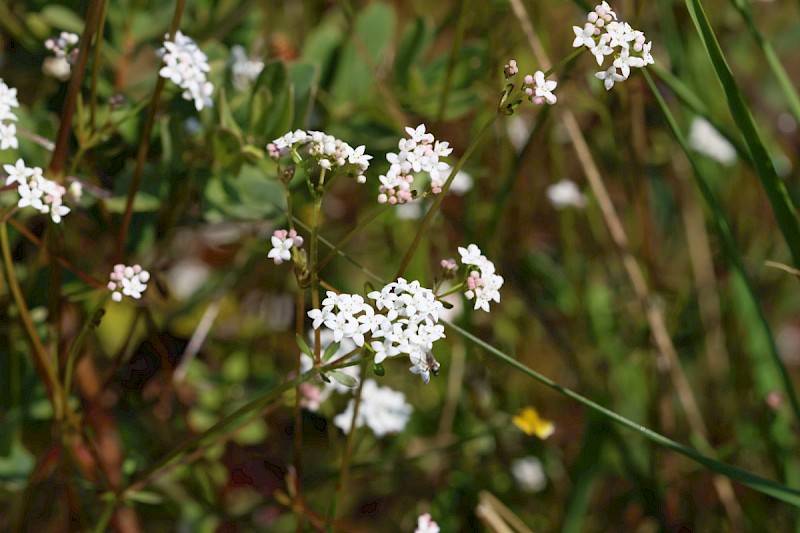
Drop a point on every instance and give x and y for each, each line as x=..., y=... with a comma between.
x=543, y=89
x=529, y=474
x=244, y=71
x=609, y=77
x=8, y=131
x=426, y=525
x=18, y=173
x=704, y=138
x=327, y=151
x=382, y=409
x=128, y=281
x=186, y=66
x=584, y=36
x=565, y=193
x=8, y=136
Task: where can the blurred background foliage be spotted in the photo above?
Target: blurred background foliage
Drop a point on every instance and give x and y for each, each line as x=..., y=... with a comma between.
x=362, y=71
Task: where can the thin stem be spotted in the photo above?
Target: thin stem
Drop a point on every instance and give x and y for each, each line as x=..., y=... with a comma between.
x=58, y=160
x=314, y=264
x=348, y=453
x=575, y=53
x=144, y=142
x=96, y=65
x=426, y=222
x=352, y=233
x=44, y=365
x=451, y=61
x=92, y=320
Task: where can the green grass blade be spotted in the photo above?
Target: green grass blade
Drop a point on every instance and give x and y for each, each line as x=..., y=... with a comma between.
x=785, y=83
x=775, y=189
x=764, y=367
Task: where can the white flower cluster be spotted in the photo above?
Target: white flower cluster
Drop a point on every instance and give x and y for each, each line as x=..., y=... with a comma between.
x=128, y=281
x=605, y=36
x=704, y=138
x=330, y=153
x=420, y=152
x=186, y=66
x=244, y=70
x=482, y=283
x=282, y=243
x=62, y=45
x=409, y=326
x=406, y=324
x=8, y=130
x=36, y=191
x=382, y=409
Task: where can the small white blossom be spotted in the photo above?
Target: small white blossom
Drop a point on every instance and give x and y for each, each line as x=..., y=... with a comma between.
x=8, y=131
x=529, y=474
x=609, y=77
x=564, y=194
x=543, y=89
x=186, y=66
x=382, y=409
x=128, y=281
x=36, y=191
x=704, y=138
x=244, y=70
x=426, y=525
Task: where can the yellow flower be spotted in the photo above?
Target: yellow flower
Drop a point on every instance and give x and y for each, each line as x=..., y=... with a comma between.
x=530, y=423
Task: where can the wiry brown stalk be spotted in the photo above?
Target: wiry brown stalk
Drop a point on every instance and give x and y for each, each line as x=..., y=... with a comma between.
x=668, y=356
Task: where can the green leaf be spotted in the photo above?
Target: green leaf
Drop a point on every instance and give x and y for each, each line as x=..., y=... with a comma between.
x=271, y=106
x=303, y=345
x=345, y=379
x=63, y=18
x=249, y=196
x=303, y=77
x=330, y=350
x=416, y=39
x=147, y=497
x=372, y=33
x=227, y=146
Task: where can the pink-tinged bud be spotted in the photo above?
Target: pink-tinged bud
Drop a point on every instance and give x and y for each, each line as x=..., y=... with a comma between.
x=528, y=80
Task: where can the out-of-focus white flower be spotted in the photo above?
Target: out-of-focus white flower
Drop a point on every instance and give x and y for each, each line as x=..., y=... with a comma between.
x=186, y=66
x=186, y=276
x=62, y=45
x=529, y=474
x=244, y=70
x=704, y=138
x=330, y=153
x=128, y=281
x=482, y=283
x=426, y=525
x=282, y=243
x=8, y=130
x=64, y=48
x=382, y=409
x=419, y=153
x=565, y=194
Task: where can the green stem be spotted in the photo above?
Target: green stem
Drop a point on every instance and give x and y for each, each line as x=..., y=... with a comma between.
x=144, y=142
x=348, y=454
x=426, y=222
x=74, y=351
x=41, y=360
x=105, y=518
x=352, y=233
x=451, y=61
x=566, y=59
x=450, y=291
x=96, y=65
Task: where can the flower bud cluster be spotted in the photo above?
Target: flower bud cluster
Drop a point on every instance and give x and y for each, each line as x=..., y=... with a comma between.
x=128, y=281
x=186, y=66
x=420, y=152
x=482, y=283
x=605, y=36
x=63, y=46
x=282, y=243
x=8, y=130
x=327, y=151
x=36, y=191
